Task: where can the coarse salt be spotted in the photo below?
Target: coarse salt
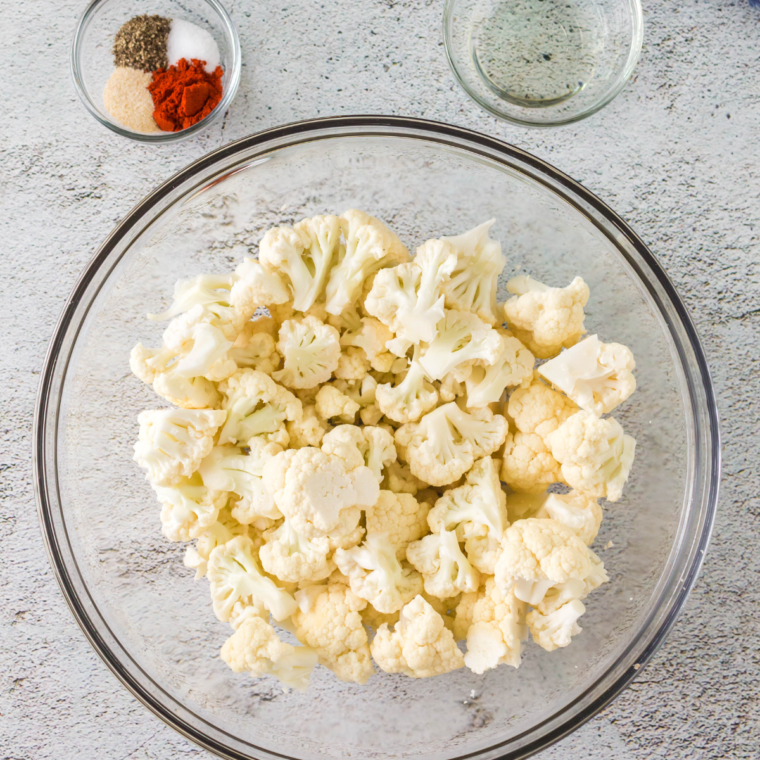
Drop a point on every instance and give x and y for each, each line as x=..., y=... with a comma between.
x=189, y=41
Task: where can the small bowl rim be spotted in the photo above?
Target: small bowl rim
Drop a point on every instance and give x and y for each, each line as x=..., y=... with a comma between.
x=634, y=53
x=157, y=137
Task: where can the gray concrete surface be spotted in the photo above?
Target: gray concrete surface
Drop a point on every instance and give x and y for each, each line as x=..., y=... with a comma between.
x=676, y=154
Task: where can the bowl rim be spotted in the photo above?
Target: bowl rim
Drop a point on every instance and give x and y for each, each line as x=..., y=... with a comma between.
x=443, y=134
x=228, y=95
x=634, y=53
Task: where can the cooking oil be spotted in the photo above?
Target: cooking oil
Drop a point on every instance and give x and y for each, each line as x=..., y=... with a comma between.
x=538, y=53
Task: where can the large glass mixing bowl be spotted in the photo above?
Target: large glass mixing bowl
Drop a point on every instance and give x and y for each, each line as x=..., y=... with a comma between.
x=127, y=587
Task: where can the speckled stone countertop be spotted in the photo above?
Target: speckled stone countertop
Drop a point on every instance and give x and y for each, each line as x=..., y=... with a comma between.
x=676, y=154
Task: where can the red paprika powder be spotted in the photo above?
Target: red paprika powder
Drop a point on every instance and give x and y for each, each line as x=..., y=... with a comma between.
x=184, y=94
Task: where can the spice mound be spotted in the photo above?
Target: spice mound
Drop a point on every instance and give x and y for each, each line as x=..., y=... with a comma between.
x=168, y=75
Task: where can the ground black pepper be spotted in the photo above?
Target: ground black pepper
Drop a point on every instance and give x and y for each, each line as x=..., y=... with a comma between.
x=141, y=43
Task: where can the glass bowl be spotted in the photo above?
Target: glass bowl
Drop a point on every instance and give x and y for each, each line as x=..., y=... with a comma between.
x=542, y=62
x=92, y=57
x=127, y=587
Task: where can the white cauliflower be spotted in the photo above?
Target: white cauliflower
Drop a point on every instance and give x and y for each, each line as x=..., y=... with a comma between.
x=444, y=568
x=485, y=383
x=255, y=347
x=228, y=468
x=256, y=407
x=400, y=516
x=538, y=554
x=204, y=290
x=596, y=456
x=156, y=367
x=538, y=409
x=375, y=574
x=369, y=246
x=399, y=479
x=444, y=444
x=558, y=627
x=546, y=319
x=332, y=626
x=478, y=513
x=461, y=340
x=575, y=510
x=371, y=336
x=220, y=532
x=352, y=364
x=496, y=629
x=294, y=558
x=237, y=581
x=172, y=442
x=310, y=350
x=308, y=431
x=256, y=286
x=332, y=404
x=357, y=446
x=410, y=399
x=472, y=285
x=597, y=376
x=188, y=508
x=408, y=298
x=256, y=649
x=303, y=256
x=318, y=493
x=420, y=645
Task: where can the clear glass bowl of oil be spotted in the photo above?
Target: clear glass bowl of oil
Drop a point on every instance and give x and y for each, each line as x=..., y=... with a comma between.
x=543, y=62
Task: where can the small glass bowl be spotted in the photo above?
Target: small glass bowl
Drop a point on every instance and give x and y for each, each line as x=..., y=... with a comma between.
x=542, y=62
x=92, y=57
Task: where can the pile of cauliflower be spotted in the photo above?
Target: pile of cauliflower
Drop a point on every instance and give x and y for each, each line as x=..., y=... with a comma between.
x=360, y=448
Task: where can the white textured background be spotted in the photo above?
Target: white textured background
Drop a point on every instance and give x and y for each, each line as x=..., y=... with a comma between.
x=676, y=155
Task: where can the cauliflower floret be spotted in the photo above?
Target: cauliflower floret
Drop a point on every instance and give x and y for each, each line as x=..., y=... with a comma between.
x=370, y=336
x=546, y=319
x=497, y=629
x=558, y=627
x=399, y=479
x=172, y=442
x=596, y=456
x=472, y=285
x=486, y=383
x=308, y=431
x=352, y=364
x=256, y=407
x=333, y=627
x=528, y=465
x=202, y=341
x=155, y=367
x=538, y=554
x=256, y=286
x=294, y=558
x=318, y=493
x=357, y=446
x=420, y=645
x=451, y=388
x=256, y=649
x=462, y=339
x=575, y=510
x=370, y=246
x=255, y=347
x=332, y=404
x=597, y=376
x=400, y=516
x=443, y=445
x=205, y=290
x=227, y=468
x=303, y=256
x=220, y=532
x=408, y=299
x=410, y=399
x=445, y=569
x=188, y=508
x=538, y=409
x=375, y=574
x=310, y=350
x=478, y=512
x=237, y=581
